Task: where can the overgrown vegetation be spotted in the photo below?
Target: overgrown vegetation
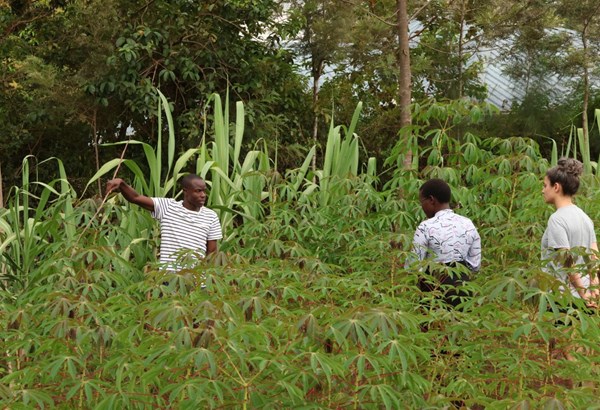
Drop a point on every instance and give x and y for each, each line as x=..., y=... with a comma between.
x=308, y=303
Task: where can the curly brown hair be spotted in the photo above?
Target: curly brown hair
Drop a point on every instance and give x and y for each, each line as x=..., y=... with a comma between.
x=566, y=173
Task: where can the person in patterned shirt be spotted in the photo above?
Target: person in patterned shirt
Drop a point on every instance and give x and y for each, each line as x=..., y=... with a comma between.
x=185, y=225
x=447, y=238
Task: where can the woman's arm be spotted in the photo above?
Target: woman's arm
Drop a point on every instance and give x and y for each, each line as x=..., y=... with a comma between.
x=589, y=295
x=594, y=282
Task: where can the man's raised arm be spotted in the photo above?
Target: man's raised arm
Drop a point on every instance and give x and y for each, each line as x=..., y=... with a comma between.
x=118, y=185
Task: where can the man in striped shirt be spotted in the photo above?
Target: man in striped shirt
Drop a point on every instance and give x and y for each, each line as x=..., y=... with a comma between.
x=185, y=225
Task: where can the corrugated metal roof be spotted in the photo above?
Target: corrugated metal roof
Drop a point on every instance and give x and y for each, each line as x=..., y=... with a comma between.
x=503, y=90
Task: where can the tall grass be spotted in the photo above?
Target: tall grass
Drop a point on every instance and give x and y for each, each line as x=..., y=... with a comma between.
x=39, y=214
x=153, y=183
x=237, y=187
x=579, y=147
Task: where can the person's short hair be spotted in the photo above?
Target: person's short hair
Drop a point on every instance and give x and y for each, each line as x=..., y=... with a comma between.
x=438, y=189
x=566, y=173
x=187, y=180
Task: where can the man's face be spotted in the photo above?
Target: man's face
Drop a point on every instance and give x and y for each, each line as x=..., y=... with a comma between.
x=195, y=194
x=427, y=204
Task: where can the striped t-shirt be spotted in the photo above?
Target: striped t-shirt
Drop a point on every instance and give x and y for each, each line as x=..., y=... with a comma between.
x=182, y=229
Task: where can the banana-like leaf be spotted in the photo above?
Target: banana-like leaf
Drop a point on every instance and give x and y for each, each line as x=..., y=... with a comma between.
x=239, y=131
x=171, y=143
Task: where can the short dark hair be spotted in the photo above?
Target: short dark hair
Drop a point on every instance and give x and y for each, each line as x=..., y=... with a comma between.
x=186, y=180
x=566, y=173
x=438, y=189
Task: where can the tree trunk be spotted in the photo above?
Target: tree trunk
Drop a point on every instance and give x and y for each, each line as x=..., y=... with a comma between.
x=317, y=71
x=96, y=147
x=461, y=51
x=461, y=40
x=586, y=98
x=404, y=82
x=1, y=188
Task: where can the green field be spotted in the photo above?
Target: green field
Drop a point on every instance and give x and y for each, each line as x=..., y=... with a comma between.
x=307, y=304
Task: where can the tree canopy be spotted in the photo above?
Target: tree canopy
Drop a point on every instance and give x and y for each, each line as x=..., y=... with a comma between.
x=76, y=74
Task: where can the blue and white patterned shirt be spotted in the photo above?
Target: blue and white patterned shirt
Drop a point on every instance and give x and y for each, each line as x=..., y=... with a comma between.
x=448, y=237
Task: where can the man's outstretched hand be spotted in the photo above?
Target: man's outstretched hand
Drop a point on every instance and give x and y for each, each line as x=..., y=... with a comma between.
x=114, y=185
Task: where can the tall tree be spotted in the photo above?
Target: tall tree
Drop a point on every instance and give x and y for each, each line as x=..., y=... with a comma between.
x=48, y=56
x=450, y=38
x=324, y=29
x=191, y=49
x=583, y=17
x=551, y=49
x=389, y=67
x=404, y=83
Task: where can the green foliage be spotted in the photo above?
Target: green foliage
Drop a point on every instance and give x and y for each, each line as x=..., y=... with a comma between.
x=50, y=50
x=444, y=58
x=314, y=307
x=438, y=132
x=237, y=187
x=285, y=332
x=41, y=214
x=77, y=74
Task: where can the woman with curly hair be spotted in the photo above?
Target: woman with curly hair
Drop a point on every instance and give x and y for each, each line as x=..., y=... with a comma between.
x=569, y=228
